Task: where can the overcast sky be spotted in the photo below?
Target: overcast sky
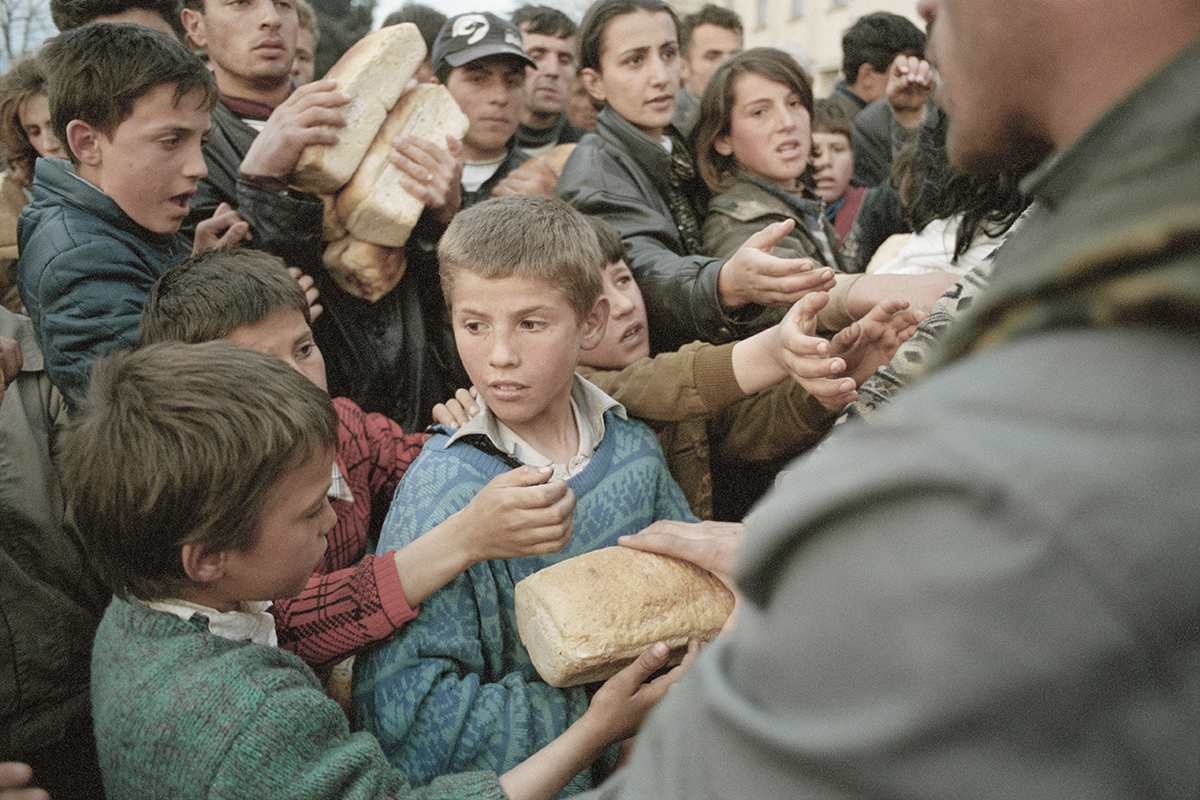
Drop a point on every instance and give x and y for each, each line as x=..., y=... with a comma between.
x=449, y=7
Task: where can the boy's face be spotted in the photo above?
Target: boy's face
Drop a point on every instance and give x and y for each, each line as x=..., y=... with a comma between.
x=286, y=335
x=292, y=540
x=153, y=161
x=627, y=337
x=833, y=164
x=519, y=340
x=488, y=90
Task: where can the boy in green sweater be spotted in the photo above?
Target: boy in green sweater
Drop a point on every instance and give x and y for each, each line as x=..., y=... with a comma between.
x=199, y=475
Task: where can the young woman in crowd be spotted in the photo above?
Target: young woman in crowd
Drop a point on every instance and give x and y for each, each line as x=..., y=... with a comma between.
x=25, y=134
x=638, y=173
x=754, y=147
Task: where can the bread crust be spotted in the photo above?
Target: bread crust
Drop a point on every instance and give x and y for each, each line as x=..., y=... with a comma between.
x=585, y=618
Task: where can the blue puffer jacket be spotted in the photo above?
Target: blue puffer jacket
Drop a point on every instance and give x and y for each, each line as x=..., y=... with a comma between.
x=84, y=272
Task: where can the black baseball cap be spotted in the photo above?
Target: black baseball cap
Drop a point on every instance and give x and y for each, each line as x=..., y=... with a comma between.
x=468, y=37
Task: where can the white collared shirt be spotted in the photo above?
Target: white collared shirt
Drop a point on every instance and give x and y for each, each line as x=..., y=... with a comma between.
x=590, y=424
x=253, y=623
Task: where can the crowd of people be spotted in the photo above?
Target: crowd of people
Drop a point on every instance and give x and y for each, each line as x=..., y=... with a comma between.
x=905, y=367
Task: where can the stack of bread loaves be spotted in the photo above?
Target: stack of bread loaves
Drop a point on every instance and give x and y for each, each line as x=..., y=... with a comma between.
x=368, y=217
x=585, y=618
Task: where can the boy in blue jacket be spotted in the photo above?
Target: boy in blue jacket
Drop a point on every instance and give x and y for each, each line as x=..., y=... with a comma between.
x=132, y=107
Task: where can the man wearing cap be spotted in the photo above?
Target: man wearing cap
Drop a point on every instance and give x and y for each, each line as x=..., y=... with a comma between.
x=478, y=57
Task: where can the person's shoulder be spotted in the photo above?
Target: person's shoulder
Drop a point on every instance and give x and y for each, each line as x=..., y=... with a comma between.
x=743, y=202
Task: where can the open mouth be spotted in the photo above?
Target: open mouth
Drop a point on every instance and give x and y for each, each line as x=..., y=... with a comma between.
x=632, y=334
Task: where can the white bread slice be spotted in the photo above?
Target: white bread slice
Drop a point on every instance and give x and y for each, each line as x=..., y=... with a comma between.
x=585, y=618
x=363, y=269
x=373, y=206
x=374, y=72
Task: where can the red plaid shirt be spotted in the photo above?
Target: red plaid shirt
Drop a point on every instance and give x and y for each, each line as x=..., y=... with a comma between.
x=354, y=599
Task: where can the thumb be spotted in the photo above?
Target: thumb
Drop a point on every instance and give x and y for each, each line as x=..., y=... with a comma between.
x=803, y=312
x=769, y=236
x=522, y=476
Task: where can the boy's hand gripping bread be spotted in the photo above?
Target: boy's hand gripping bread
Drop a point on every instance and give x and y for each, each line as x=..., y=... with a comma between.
x=585, y=618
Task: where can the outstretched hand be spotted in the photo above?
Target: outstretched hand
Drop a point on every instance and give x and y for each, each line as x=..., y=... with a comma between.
x=872, y=341
x=910, y=82
x=754, y=275
x=458, y=410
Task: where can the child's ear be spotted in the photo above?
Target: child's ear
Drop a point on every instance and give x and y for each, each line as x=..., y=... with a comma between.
x=595, y=324
x=593, y=84
x=721, y=145
x=202, y=565
x=84, y=142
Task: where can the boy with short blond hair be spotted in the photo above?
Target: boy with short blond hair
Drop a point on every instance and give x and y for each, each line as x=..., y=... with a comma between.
x=353, y=599
x=201, y=474
x=521, y=276
x=131, y=106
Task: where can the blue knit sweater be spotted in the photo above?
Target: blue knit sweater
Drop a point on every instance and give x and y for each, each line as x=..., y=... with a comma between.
x=181, y=713
x=456, y=690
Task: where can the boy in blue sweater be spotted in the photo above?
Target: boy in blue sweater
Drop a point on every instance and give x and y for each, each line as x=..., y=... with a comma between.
x=522, y=279
x=200, y=474
x=131, y=106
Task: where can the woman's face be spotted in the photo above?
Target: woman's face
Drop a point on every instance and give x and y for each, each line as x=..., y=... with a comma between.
x=769, y=131
x=34, y=116
x=639, y=69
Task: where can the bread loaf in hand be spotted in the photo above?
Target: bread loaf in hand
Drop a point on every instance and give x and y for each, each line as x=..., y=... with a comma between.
x=585, y=618
x=373, y=206
x=374, y=72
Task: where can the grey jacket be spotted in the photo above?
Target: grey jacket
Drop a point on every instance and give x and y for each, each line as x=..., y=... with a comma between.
x=992, y=591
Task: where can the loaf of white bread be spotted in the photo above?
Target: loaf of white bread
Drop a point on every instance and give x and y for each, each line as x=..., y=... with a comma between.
x=373, y=206
x=586, y=618
x=374, y=72
x=364, y=269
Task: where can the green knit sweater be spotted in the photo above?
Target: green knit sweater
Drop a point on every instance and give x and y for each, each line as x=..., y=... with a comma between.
x=181, y=713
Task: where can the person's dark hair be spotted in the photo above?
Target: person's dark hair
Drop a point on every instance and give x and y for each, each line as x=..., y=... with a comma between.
x=208, y=295
x=612, y=246
x=716, y=106
x=68, y=14
x=877, y=39
x=185, y=444
x=831, y=117
x=934, y=189
x=97, y=72
x=428, y=21
x=596, y=19
x=708, y=15
x=26, y=79
x=545, y=21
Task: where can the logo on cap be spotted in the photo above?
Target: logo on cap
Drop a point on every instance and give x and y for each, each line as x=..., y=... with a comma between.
x=474, y=25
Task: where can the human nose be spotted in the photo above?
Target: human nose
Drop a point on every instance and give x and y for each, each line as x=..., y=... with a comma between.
x=196, y=166
x=660, y=72
x=503, y=352
x=620, y=305
x=269, y=16
x=820, y=159
x=47, y=144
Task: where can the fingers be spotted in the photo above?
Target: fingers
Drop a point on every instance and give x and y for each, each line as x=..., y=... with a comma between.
x=522, y=476
x=651, y=660
x=769, y=236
